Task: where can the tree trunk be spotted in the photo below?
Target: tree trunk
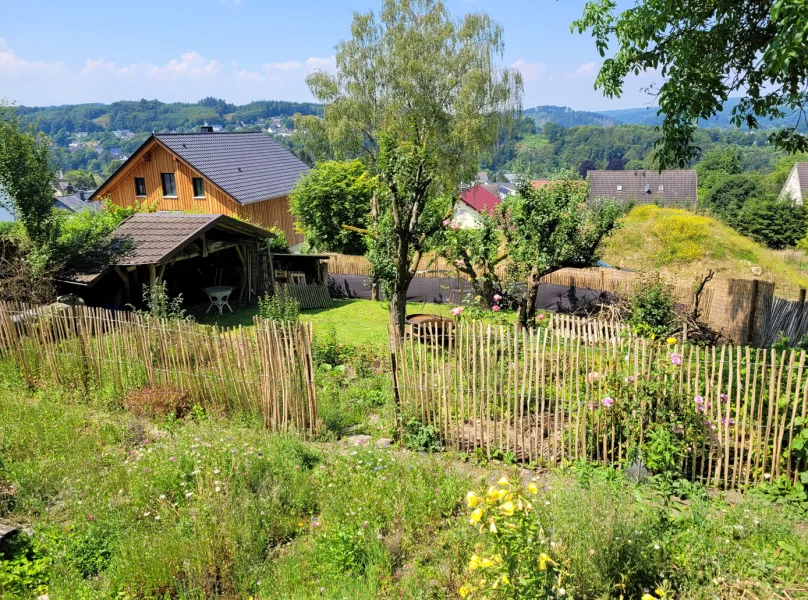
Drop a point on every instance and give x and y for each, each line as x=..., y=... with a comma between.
x=484, y=288
x=527, y=308
x=398, y=303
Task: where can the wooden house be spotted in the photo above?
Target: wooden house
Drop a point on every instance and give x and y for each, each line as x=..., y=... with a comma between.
x=248, y=175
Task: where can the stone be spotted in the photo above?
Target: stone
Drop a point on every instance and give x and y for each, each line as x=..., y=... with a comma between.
x=757, y=271
x=357, y=440
x=384, y=443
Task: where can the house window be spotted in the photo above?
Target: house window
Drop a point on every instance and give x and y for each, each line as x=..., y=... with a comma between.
x=169, y=185
x=619, y=188
x=199, y=187
x=140, y=186
x=661, y=187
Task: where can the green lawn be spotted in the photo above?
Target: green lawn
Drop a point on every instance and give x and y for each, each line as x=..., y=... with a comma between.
x=355, y=321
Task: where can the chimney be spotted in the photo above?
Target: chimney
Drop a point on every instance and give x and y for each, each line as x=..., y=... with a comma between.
x=206, y=128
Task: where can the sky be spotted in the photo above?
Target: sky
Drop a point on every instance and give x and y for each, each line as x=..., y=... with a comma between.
x=242, y=50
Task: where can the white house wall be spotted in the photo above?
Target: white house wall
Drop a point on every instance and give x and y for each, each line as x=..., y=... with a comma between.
x=792, y=189
x=466, y=217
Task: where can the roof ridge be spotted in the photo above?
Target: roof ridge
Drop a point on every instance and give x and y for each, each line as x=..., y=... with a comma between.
x=211, y=133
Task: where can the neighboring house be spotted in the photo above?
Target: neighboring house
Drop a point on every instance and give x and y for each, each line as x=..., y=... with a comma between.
x=78, y=202
x=482, y=197
x=796, y=186
x=62, y=187
x=124, y=134
x=246, y=174
x=669, y=188
x=482, y=177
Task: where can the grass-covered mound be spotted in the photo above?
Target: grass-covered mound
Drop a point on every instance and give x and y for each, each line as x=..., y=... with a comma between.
x=683, y=245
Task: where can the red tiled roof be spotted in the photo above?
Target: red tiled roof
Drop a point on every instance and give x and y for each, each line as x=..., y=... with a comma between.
x=539, y=183
x=480, y=199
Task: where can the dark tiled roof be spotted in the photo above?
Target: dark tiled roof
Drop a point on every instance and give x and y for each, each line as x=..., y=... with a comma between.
x=251, y=167
x=481, y=197
x=157, y=237
x=643, y=186
x=75, y=203
x=802, y=174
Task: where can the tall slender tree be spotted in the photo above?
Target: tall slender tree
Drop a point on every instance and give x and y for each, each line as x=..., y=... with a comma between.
x=418, y=96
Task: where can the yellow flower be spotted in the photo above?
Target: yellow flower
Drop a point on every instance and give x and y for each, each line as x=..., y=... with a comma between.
x=493, y=527
x=474, y=562
x=507, y=508
x=660, y=592
x=543, y=560
x=486, y=563
x=464, y=591
x=472, y=499
x=532, y=488
x=492, y=492
x=648, y=597
x=503, y=481
x=671, y=341
x=505, y=580
x=503, y=494
x=476, y=515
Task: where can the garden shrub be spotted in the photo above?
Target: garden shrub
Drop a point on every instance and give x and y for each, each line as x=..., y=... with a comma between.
x=157, y=401
x=421, y=437
x=776, y=224
x=280, y=307
x=651, y=311
x=728, y=197
x=563, y=540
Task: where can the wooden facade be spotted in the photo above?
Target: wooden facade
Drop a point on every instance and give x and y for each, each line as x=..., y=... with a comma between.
x=153, y=158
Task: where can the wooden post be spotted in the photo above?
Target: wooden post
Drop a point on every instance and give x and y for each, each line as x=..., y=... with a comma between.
x=752, y=309
x=391, y=336
x=802, y=296
x=152, y=276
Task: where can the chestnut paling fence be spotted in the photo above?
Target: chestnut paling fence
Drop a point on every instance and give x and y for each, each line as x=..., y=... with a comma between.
x=266, y=369
x=548, y=396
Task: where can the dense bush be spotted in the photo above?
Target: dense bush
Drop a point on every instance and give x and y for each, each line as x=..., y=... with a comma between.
x=777, y=224
x=651, y=310
x=280, y=307
x=727, y=198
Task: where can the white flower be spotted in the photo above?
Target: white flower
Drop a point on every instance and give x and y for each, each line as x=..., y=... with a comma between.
x=562, y=592
x=157, y=517
x=189, y=494
x=218, y=489
x=216, y=471
x=162, y=496
x=146, y=514
x=656, y=546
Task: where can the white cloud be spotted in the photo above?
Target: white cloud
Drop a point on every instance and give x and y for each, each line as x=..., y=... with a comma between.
x=315, y=63
x=530, y=71
x=11, y=64
x=585, y=70
x=185, y=78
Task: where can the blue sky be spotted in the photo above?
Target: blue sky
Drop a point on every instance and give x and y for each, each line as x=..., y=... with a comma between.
x=242, y=50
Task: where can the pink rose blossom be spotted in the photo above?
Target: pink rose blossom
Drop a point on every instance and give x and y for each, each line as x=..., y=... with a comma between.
x=607, y=402
x=541, y=317
x=723, y=397
x=676, y=359
x=495, y=308
x=698, y=400
x=456, y=311
x=455, y=226
x=497, y=297
x=446, y=222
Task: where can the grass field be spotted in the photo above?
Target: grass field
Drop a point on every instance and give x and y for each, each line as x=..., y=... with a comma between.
x=354, y=321
x=683, y=245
